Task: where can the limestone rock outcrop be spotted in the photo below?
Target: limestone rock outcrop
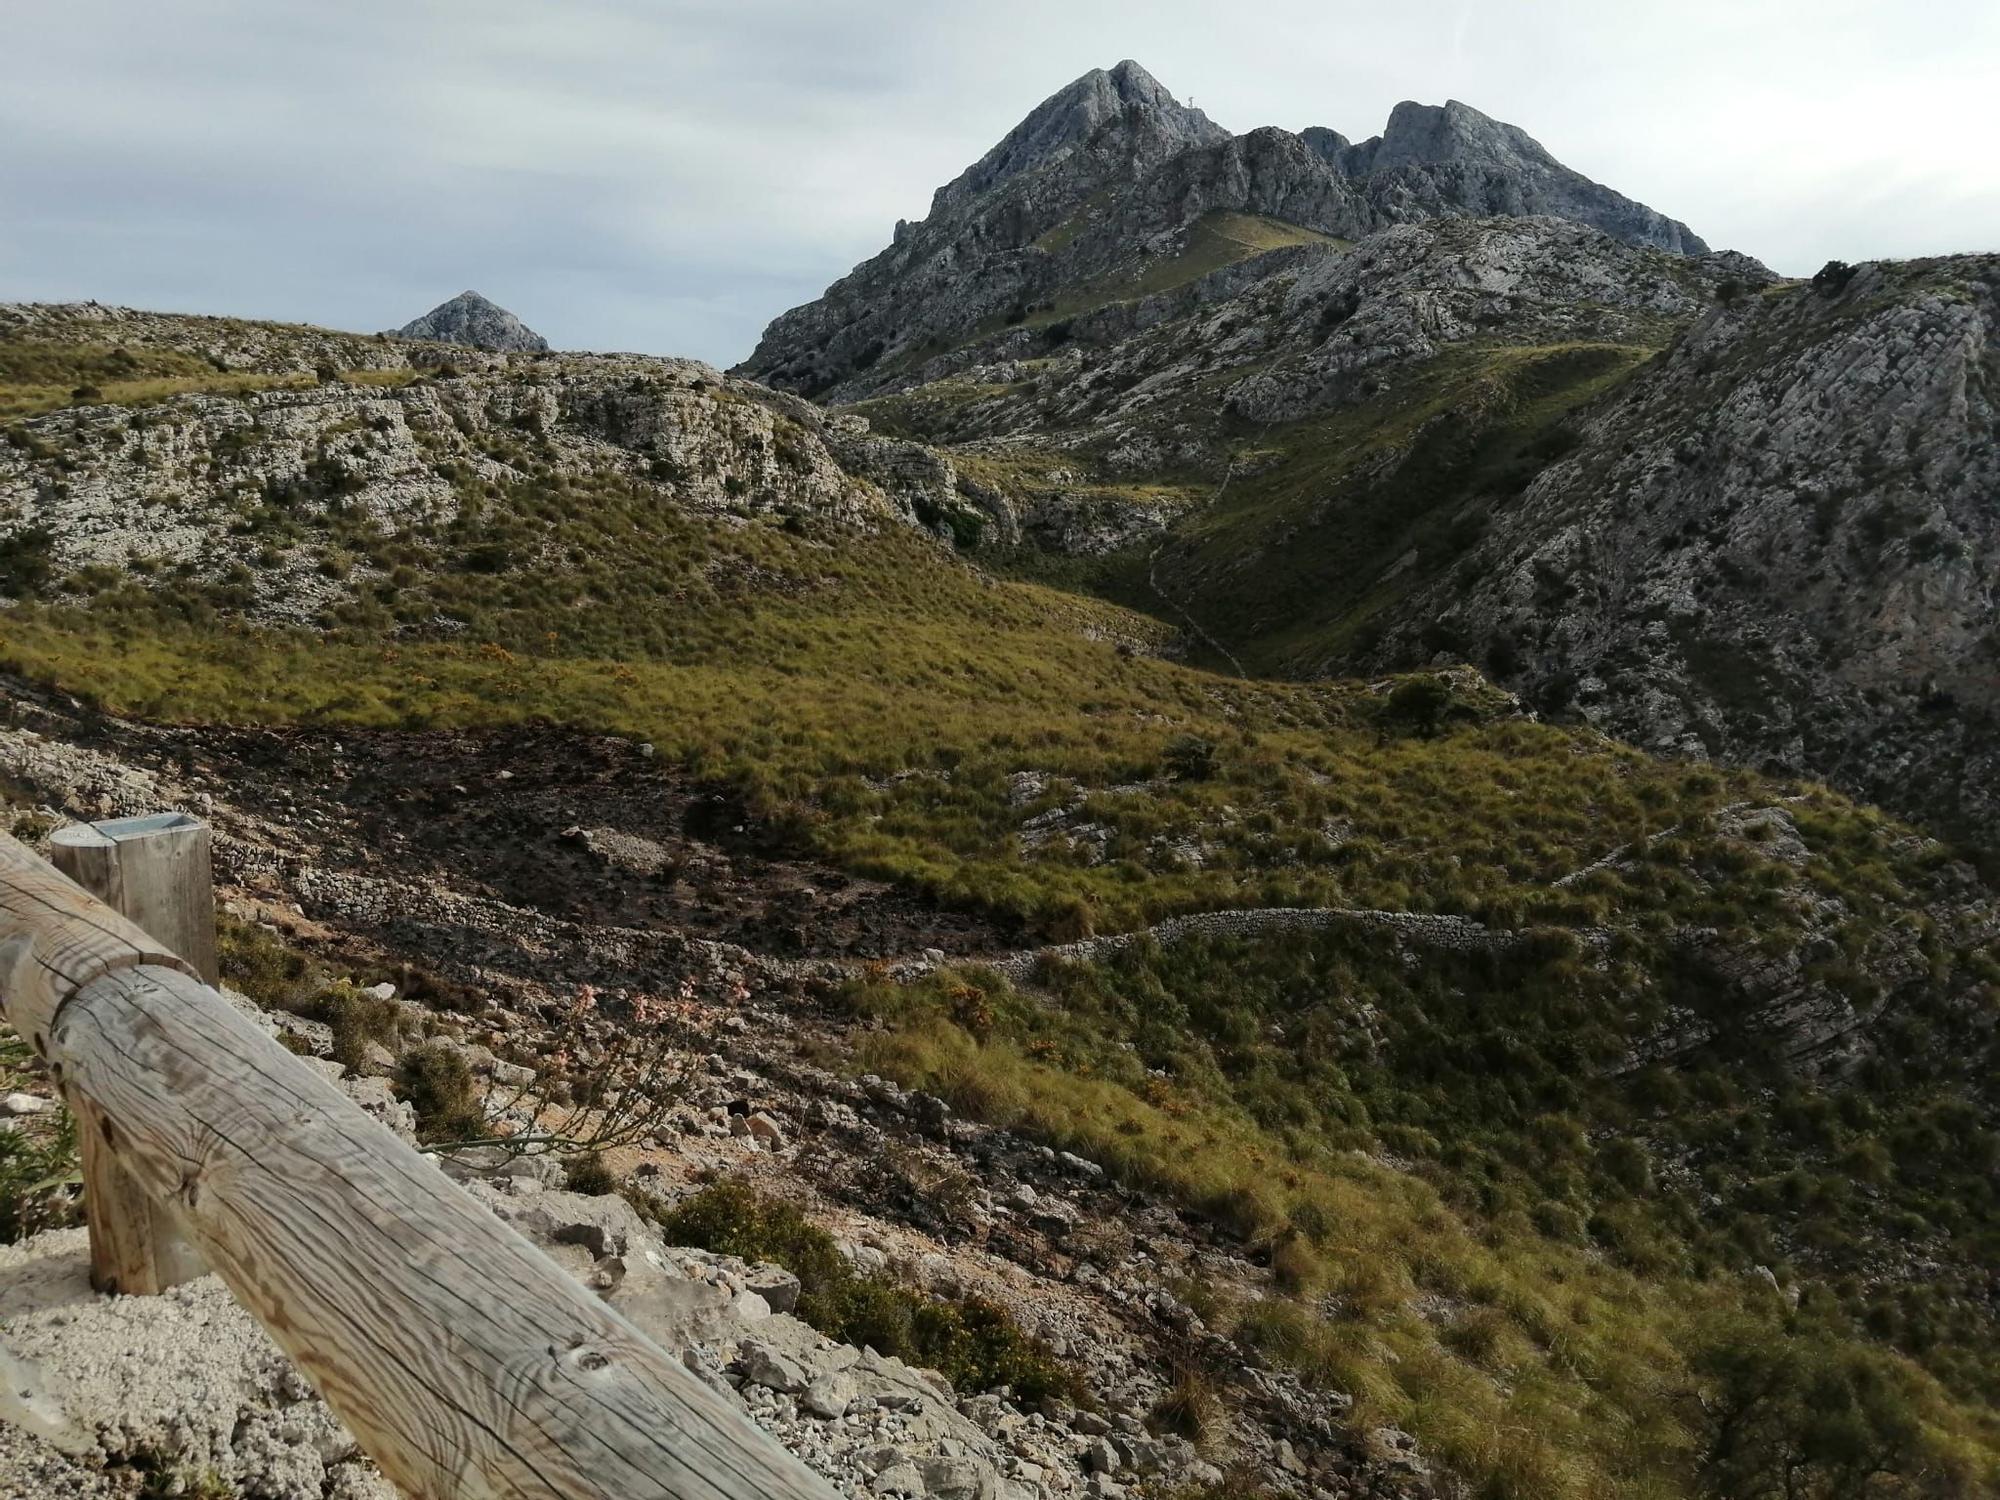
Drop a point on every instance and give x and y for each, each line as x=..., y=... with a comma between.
x=164, y=497
x=1450, y=158
x=1776, y=546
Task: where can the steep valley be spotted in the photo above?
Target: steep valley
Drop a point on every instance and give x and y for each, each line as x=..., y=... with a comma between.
x=1236, y=782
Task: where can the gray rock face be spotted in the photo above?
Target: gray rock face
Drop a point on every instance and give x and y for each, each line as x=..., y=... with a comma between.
x=470, y=319
x=1412, y=291
x=1103, y=193
x=1127, y=99
x=1776, y=546
x=1435, y=160
x=1300, y=332
x=1330, y=145
x=707, y=444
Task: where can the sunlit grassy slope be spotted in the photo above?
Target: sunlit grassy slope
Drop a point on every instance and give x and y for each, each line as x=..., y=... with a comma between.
x=812, y=675
x=1215, y=240
x=38, y=377
x=1466, y=1227
x=1551, y=1314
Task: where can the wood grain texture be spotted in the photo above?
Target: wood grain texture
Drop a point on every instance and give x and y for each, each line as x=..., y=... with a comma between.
x=467, y=1364
x=55, y=938
x=154, y=871
x=137, y=1248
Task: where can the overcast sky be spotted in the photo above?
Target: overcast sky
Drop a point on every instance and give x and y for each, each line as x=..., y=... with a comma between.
x=667, y=175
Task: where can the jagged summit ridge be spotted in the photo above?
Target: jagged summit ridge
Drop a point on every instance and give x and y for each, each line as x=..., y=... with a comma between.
x=1110, y=179
x=1451, y=156
x=471, y=319
x=1499, y=168
x=1073, y=115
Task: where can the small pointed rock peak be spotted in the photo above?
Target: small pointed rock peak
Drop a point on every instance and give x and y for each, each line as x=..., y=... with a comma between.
x=1103, y=91
x=1075, y=114
x=474, y=320
x=1136, y=86
x=469, y=302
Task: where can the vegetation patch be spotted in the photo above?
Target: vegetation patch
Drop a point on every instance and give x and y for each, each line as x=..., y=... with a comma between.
x=1217, y=239
x=37, y=378
x=1483, y=1227
x=974, y=1343
x=1297, y=560
x=874, y=699
x=439, y=1087
x=40, y=1174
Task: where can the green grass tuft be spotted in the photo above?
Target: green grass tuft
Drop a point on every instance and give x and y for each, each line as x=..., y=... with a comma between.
x=974, y=1343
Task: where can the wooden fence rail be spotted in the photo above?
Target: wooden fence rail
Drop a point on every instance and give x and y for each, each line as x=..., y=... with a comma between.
x=467, y=1364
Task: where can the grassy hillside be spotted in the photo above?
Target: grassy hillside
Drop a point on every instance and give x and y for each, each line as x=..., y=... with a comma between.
x=1217, y=239
x=878, y=696
x=1338, y=517
x=1485, y=1217
x=1547, y=1271
x=37, y=377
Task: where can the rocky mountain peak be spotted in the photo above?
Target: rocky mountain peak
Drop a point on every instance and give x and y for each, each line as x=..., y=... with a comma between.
x=1452, y=133
x=1100, y=196
x=1452, y=157
x=1430, y=133
x=1134, y=85
x=473, y=320
x=1075, y=114
x=1330, y=144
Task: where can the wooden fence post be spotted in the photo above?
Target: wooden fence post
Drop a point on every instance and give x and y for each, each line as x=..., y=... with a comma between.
x=465, y=1362
x=155, y=872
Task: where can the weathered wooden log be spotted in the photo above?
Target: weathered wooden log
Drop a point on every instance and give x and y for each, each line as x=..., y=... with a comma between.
x=137, y=1247
x=153, y=871
x=468, y=1364
x=55, y=937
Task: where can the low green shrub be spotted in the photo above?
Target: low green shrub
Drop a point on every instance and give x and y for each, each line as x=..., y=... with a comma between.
x=26, y=560
x=590, y=1174
x=39, y=1170
x=1189, y=757
x=258, y=963
x=358, y=1019
x=973, y=1342
x=1190, y=1408
x=438, y=1086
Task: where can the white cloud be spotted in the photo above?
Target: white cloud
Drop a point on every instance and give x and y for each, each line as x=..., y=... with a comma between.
x=668, y=174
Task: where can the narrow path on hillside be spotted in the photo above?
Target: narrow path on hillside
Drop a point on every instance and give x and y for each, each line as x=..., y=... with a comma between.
x=1194, y=625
